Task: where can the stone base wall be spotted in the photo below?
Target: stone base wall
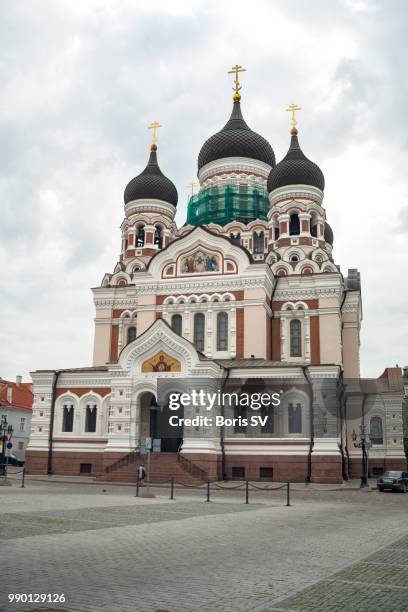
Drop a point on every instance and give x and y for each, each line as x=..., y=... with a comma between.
x=376, y=466
x=36, y=462
x=209, y=462
x=327, y=469
x=66, y=463
x=278, y=468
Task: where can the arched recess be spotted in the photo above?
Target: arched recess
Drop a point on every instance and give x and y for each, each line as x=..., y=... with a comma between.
x=67, y=424
x=294, y=414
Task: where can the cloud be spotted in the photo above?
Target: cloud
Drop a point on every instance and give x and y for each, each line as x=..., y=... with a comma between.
x=81, y=82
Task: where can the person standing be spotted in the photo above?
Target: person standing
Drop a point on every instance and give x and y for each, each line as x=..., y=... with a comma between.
x=141, y=473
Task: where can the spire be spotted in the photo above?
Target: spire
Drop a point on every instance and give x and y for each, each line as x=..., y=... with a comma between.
x=237, y=86
x=151, y=183
x=293, y=108
x=154, y=126
x=295, y=168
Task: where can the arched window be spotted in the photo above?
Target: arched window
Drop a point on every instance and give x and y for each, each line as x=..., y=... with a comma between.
x=295, y=419
x=236, y=239
x=294, y=258
x=276, y=232
x=199, y=331
x=177, y=324
x=90, y=418
x=295, y=338
x=222, y=331
x=140, y=236
x=376, y=430
x=158, y=237
x=259, y=242
x=131, y=334
x=294, y=225
x=313, y=231
x=68, y=418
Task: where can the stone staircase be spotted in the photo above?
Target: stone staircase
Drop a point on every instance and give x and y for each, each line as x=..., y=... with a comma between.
x=163, y=466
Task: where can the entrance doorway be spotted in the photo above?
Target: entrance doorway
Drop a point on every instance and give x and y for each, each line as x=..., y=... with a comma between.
x=154, y=423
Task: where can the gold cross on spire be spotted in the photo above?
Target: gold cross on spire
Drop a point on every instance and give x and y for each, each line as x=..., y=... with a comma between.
x=236, y=70
x=155, y=125
x=293, y=108
x=192, y=185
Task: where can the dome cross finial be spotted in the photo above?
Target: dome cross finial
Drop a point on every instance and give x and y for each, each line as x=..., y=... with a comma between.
x=192, y=185
x=293, y=108
x=155, y=125
x=236, y=70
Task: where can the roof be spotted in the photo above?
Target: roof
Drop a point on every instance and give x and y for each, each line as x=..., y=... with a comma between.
x=21, y=397
x=236, y=139
x=151, y=184
x=295, y=169
x=253, y=363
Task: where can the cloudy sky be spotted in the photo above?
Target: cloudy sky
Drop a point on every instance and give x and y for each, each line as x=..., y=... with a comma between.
x=81, y=80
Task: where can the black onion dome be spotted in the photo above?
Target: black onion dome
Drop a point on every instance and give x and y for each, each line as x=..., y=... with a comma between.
x=295, y=169
x=151, y=184
x=328, y=233
x=236, y=139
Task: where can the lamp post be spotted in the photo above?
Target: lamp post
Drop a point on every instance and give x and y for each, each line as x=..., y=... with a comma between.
x=364, y=444
x=6, y=431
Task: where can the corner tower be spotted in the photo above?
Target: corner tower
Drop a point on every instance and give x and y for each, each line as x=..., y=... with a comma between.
x=150, y=206
x=299, y=235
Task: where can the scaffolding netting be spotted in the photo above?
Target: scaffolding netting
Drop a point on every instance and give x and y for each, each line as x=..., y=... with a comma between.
x=224, y=204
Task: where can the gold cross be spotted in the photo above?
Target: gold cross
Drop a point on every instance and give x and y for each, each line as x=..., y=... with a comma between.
x=236, y=70
x=192, y=185
x=154, y=126
x=292, y=108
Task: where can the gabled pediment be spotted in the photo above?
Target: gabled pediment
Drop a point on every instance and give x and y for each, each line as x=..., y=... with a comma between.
x=199, y=253
x=160, y=351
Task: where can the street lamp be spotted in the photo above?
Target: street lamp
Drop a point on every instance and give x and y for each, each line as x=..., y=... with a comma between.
x=6, y=431
x=364, y=444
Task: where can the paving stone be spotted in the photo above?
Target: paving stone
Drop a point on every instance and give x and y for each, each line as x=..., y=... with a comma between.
x=113, y=552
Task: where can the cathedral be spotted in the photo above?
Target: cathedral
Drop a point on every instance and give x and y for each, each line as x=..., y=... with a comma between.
x=247, y=290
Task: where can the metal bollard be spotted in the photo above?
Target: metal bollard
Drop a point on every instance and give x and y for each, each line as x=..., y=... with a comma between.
x=172, y=488
x=208, y=490
x=137, y=487
x=22, y=486
x=247, y=491
x=288, y=493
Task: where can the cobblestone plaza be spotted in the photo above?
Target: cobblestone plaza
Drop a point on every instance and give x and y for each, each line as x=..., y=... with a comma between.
x=107, y=550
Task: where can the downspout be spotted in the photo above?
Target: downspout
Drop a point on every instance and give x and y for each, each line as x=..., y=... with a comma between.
x=343, y=445
x=222, y=436
x=311, y=423
x=52, y=417
x=341, y=319
x=343, y=449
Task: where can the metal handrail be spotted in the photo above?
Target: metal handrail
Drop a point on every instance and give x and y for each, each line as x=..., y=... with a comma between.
x=191, y=467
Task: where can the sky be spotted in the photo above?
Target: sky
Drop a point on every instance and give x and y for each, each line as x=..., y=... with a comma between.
x=79, y=84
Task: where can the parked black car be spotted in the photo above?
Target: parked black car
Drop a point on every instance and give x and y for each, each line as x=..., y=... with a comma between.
x=13, y=460
x=394, y=481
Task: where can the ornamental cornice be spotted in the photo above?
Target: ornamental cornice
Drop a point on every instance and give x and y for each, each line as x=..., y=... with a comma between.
x=161, y=206
x=296, y=191
x=92, y=383
x=115, y=302
x=351, y=307
x=184, y=286
x=309, y=293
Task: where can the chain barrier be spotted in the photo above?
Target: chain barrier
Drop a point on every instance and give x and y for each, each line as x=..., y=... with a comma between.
x=247, y=485
x=251, y=484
